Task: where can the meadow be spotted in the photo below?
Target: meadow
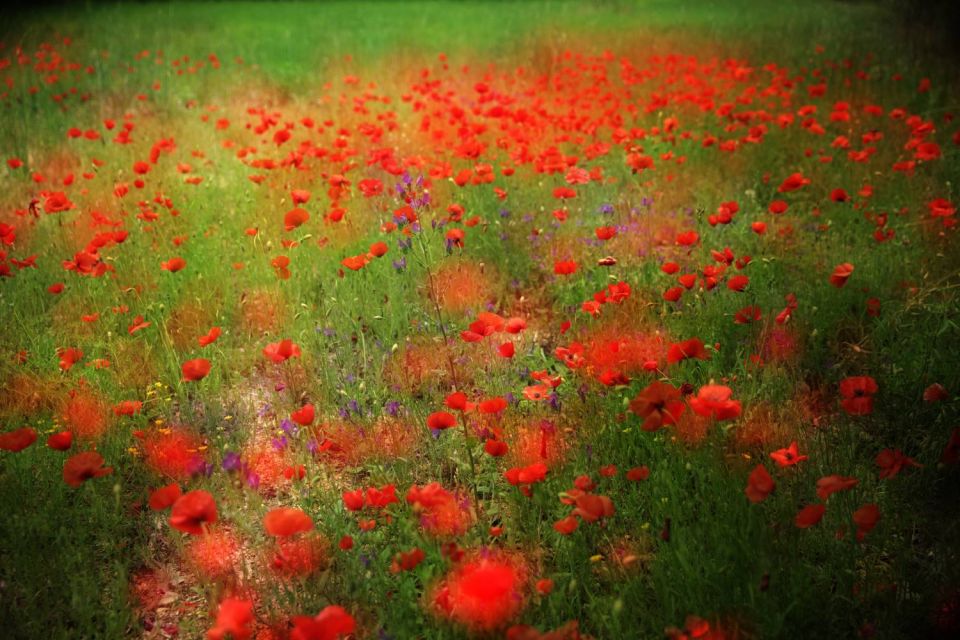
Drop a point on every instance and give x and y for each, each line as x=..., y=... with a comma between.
x=478, y=320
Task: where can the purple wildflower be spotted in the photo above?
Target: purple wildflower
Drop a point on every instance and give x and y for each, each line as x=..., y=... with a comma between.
x=231, y=461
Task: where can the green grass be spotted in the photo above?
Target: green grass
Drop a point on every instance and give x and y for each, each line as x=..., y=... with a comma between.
x=69, y=557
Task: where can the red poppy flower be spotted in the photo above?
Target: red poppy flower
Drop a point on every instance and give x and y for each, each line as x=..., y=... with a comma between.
x=673, y=294
x=69, y=357
x=935, y=393
x=789, y=456
x=17, y=440
x=127, y=408
x=87, y=263
x=605, y=233
x=687, y=280
x=515, y=325
x=696, y=627
x=380, y=498
x=659, y=405
x=841, y=274
x=234, y=617
x=566, y=526
x=759, y=484
x=809, y=515
x=951, y=452
x=210, y=338
x=164, y=497
x=565, y=267
x=927, y=151
x=330, y=624
x=747, y=315
x=591, y=507
x=583, y=484
x=173, y=264
x=84, y=466
x=577, y=175
x=281, y=351
x=192, y=510
x=299, y=556
x=713, y=401
x=294, y=218
x=495, y=448
x=487, y=323
x=441, y=420
x=839, y=195
x=353, y=500
x=941, y=208
x=56, y=202
x=455, y=237
x=407, y=560
x=857, y=392
x=492, y=405
x=481, y=594
x=304, y=415
x=378, y=249
x=286, y=521
x=866, y=518
x=828, y=485
x=639, y=162
x=793, y=182
x=777, y=207
x=370, y=187
x=530, y=474
x=592, y=307
x=638, y=474
x=458, y=401
x=280, y=264
x=892, y=462
x=295, y=472
x=544, y=587
x=60, y=441
x=738, y=283
x=197, y=369
x=138, y=324
x=692, y=348
x=354, y=263
x=537, y=392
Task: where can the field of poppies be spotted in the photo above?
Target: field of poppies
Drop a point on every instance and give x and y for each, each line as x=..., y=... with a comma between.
x=478, y=320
